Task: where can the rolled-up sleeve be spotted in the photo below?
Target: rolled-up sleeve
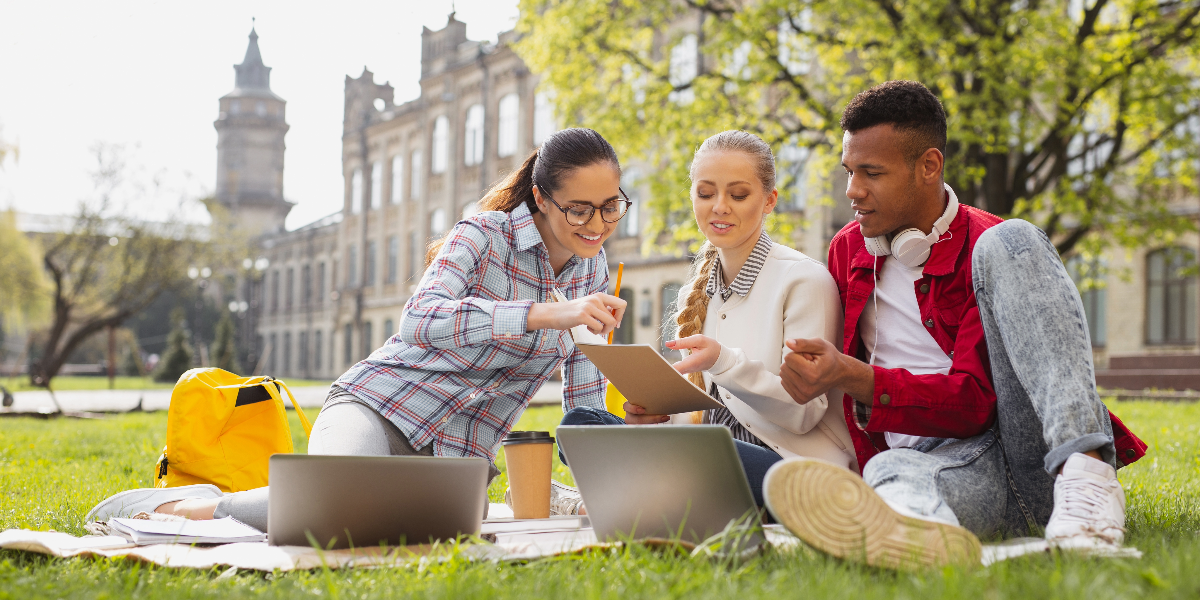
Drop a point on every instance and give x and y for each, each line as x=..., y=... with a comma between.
x=440, y=314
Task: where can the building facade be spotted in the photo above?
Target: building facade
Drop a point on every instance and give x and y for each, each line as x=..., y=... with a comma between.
x=331, y=292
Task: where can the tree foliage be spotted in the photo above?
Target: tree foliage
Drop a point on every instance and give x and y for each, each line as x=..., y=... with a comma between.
x=22, y=286
x=178, y=356
x=1078, y=115
x=224, y=346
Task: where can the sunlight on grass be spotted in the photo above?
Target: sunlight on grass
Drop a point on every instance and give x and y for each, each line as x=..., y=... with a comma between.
x=53, y=471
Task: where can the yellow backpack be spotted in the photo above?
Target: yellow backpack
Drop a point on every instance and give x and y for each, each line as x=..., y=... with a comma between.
x=222, y=429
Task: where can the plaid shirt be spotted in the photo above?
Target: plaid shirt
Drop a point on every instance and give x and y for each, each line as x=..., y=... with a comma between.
x=462, y=368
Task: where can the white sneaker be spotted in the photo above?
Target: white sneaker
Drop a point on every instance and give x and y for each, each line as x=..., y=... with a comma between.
x=836, y=512
x=132, y=502
x=1089, y=505
x=564, y=499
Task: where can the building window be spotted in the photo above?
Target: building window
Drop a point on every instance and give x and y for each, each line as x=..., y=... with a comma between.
x=287, y=354
x=544, y=123
x=302, y=368
x=437, y=222
x=369, y=263
x=306, y=285
x=367, y=348
x=376, y=185
x=356, y=191
x=441, y=141
x=397, y=178
x=348, y=345
x=317, y=351
x=624, y=333
x=684, y=67
x=1171, y=296
x=473, y=136
x=389, y=329
x=274, y=291
x=414, y=254
x=414, y=175
x=288, y=288
x=506, y=132
x=667, y=326
x=235, y=107
x=1087, y=277
x=393, y=258
x=260, y=108
x=320, y=284
x=352, y=266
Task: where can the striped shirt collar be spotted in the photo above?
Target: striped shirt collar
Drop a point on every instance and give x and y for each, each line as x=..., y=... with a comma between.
x=745, y=277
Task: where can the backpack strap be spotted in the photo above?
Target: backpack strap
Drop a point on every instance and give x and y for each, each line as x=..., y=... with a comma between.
x=259, y=389
x=274, y=391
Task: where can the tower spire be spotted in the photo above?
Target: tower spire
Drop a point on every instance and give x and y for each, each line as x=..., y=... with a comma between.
x=252, y=73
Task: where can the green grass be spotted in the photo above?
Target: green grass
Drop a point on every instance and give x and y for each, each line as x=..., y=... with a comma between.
x=53, y=471
x=123, y=382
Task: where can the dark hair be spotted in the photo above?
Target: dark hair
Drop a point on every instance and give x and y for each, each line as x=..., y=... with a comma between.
x=561, y=153
x=909, y=107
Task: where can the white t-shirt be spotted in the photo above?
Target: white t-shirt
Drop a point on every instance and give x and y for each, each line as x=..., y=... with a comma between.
x=900, y=341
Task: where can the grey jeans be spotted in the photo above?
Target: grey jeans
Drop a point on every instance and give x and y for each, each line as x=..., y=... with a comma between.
x=345, y=427
x=1001, y=482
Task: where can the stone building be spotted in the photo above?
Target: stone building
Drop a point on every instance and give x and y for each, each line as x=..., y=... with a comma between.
x=331, y=292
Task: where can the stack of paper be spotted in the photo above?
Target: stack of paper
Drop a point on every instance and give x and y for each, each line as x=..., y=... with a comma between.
x=216, y=531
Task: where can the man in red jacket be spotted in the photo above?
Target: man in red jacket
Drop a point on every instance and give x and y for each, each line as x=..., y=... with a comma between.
x=966, y=368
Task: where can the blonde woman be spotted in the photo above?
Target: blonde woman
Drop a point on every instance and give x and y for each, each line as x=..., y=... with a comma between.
x=745, y=296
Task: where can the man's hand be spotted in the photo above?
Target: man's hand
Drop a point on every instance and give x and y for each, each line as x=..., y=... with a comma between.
x=814, y=366
x=703, y=353
x=636, y=415
x=596, y=312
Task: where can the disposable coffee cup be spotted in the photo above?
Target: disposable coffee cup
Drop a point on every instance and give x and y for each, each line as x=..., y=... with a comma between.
x=528, y=456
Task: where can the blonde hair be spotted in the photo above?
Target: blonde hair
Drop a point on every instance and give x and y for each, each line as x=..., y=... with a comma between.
x=693, y=309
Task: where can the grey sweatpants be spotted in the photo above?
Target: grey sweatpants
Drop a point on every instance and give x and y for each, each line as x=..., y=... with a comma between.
x=345, y=427
x=1001, y=482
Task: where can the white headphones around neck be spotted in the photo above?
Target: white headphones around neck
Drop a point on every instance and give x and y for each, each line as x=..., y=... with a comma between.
x=911, y=247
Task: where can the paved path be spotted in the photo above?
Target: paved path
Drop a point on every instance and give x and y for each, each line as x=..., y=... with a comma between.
x=123, y=400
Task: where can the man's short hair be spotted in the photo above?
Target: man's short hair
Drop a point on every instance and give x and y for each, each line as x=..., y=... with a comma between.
x=909, y=106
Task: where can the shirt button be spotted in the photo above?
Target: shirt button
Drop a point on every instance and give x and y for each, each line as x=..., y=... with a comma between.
x=444, y=419
x=884, y=398
x=1130, y=453
x=722, y=315
x=924, y=288
x=929, y=323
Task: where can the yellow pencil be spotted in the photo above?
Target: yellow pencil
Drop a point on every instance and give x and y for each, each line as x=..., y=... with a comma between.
x=617, y=293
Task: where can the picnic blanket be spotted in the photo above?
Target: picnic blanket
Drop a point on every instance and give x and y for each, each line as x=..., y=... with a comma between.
x=514, y=541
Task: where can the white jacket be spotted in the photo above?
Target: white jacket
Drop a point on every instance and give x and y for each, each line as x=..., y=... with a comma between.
x=793, y=296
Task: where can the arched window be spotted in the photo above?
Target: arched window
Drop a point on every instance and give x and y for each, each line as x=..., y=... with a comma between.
x=414, y=177
x=473, y=136
x=389, y=329
x=437, y=222
x=367, y=342
x=1171, y=296
x=544, y=122
x=356, y=191
x=506, y=134
x=441, y=139
x=376, y=185
x=397, y=188
x=1088, y=278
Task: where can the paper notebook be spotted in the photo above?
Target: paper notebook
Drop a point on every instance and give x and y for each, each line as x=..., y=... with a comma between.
x=215, y=531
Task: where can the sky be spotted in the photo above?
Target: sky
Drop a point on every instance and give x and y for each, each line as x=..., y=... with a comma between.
x=143, y=77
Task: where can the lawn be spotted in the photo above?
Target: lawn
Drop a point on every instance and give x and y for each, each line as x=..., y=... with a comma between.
x=53, y=471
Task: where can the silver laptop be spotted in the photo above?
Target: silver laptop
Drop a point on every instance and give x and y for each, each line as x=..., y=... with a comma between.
x=360, y=501
x=645, y=481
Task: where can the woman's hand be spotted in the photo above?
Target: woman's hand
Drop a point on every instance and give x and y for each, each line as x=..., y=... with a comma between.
x=596, y=312
x=636, y=415
x=703, y=353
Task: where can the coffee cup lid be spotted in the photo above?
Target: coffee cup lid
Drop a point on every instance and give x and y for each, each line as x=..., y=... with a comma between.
x=527, y=437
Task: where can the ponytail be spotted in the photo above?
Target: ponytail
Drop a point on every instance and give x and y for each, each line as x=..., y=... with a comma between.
x=545, y=167
x=694, y=308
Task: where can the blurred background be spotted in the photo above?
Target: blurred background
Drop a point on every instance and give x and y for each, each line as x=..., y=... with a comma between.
x=252, y=185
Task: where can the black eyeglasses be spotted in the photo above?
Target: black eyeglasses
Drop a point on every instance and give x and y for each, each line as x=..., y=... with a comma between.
x=581, y=214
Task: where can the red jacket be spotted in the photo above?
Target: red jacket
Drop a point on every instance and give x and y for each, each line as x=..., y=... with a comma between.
x=959, y=404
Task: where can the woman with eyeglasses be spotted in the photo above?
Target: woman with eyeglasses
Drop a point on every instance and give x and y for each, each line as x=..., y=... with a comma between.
x=478, y=338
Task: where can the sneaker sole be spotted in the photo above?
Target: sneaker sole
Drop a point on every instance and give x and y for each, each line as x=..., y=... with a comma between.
x=835, y=511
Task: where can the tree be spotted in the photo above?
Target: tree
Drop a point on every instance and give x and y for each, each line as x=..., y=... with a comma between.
x=22, y=285
x=107, y=267
x=1079, y=116
x=224, y=346
x=178, y=356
